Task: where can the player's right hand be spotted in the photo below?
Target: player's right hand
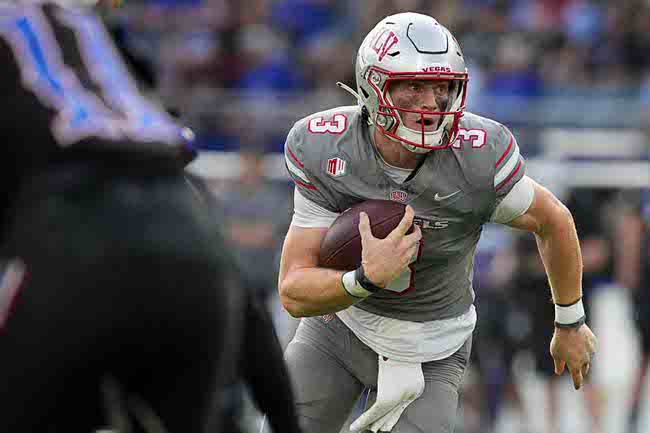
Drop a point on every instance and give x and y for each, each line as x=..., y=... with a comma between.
x=384, y=260
x=573, y=349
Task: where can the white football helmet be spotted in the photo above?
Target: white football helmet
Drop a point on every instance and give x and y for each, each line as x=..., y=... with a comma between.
x=410, y=46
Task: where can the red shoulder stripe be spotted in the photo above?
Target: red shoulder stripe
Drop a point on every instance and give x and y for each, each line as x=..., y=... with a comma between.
x=300, y=164
x=511, y=176
x=312, y=187
x=512, y=139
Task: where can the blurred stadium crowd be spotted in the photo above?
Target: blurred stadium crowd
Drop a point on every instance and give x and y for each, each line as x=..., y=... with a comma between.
x=570, y=77
x=214, y=60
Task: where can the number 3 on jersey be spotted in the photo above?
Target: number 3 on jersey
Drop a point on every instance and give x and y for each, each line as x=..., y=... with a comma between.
x=477, y=137
x=406, y=281
x=319, y=125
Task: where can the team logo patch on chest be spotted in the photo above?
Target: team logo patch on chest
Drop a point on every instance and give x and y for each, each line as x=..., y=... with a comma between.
x=399, y=196
x=337, y=167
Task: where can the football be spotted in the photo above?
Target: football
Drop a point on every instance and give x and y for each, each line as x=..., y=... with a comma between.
x=341, y=246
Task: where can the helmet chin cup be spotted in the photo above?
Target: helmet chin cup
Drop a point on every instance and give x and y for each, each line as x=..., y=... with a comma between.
x=415, y=149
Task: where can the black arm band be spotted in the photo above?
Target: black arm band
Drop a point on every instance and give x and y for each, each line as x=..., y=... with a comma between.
x=364, y=282
x=569, y=305
x=575, y=325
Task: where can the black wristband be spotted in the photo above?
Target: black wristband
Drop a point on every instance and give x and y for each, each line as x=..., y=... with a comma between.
x=364, y=282
x=575, y=325
x=569, y=305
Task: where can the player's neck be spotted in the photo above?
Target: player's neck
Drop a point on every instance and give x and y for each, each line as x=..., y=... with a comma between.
x=395, y=154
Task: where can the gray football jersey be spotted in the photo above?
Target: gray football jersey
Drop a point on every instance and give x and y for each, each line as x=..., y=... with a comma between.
x=333, y=161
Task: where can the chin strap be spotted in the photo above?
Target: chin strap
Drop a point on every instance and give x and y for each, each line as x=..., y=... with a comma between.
x=349, y=90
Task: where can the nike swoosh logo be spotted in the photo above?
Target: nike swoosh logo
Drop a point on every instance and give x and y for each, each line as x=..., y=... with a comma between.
x=439, y=197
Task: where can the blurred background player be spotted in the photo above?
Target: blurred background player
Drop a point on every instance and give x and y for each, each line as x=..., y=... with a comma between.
x=256, y=213
x=120, y=306
x=632, y=254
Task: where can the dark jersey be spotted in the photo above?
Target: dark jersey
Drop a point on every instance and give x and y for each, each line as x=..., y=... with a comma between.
x=66, y=94
x=124, y=277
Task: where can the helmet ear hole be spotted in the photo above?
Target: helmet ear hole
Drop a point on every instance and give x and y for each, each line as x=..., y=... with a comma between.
x=366, y=115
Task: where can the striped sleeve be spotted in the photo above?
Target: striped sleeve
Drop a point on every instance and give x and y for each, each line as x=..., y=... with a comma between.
x=297, y=167
x=297, y=170
x=509, y=167
x=308, y=214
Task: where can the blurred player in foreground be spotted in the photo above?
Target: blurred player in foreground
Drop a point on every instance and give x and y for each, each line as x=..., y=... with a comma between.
x=402, y=323
x=119, y=308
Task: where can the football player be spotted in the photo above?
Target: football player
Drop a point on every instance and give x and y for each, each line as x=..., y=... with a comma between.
x=402, y=323
x=632, y=268
x=119, y=306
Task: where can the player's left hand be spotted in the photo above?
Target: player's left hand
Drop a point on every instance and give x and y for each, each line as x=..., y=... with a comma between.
x=573, y=348
x=399, y=384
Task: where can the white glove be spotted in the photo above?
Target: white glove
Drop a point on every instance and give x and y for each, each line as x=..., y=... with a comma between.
x=398, y=385
x=388, y=421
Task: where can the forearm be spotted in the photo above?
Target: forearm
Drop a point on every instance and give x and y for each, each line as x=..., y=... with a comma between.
x=314, y=292
x=559, y=248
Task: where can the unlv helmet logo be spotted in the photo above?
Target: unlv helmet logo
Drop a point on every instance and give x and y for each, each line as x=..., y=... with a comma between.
x=383, y=42
x=399, y=196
